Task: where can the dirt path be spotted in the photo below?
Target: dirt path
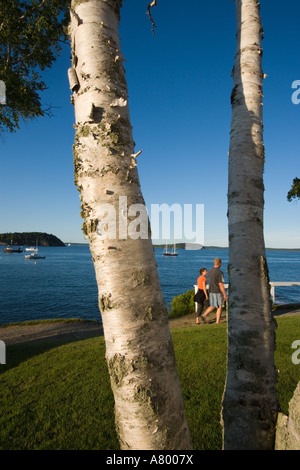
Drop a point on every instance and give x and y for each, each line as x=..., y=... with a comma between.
x=53, y=331
x=281, y=310
x=80, y=329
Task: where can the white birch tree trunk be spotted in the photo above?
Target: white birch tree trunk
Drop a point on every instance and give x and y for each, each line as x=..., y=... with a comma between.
x=249, y=402
x=148, y=403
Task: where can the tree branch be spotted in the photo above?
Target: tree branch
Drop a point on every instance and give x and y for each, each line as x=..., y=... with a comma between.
x=38, y=7
x=24, y=58
x=151, y=5
x=8, y=58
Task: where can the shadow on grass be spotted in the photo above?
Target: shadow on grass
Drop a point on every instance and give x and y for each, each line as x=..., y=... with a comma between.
x=18, y=353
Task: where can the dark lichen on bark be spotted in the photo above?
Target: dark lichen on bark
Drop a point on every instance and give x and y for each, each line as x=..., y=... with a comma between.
x=119, y=367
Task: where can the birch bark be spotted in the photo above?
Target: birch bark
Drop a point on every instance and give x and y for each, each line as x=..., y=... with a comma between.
x=249, y=402
x=148, y=403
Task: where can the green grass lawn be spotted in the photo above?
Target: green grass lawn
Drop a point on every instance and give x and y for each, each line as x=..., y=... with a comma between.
x=57, y=395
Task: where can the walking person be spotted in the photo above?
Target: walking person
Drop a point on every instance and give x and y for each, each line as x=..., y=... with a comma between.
x=201, y=296
x=217, y=293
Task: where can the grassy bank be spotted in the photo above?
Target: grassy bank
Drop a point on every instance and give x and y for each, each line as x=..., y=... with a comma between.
x=46, y=322
x=57, y=396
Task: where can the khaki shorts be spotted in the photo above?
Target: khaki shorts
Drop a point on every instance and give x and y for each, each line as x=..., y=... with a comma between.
x=216, y=300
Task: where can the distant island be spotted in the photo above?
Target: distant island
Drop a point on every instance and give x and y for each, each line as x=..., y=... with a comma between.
x=30, y=238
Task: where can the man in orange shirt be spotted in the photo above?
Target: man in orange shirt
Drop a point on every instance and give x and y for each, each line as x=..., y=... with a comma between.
x=201, y=295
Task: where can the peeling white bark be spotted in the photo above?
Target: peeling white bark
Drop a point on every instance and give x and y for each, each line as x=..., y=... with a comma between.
x=249, y=404
x=148, y=402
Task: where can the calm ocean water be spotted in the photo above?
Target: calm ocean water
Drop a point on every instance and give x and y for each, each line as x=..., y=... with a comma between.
x=63, y=285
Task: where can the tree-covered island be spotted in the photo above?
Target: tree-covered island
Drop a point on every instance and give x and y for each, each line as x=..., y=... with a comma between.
x=30, y=238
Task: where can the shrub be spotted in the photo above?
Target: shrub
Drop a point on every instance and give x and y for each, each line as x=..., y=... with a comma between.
x=183, y=304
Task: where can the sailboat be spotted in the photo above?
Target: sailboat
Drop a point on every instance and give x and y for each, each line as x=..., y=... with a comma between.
x=35, y=254
x=170, y=253
x=11, y=249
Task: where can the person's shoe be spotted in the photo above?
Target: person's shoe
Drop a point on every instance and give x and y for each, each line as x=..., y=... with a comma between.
x=203, y=319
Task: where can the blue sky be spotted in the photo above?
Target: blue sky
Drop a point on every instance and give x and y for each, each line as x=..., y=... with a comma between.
x=179, y=84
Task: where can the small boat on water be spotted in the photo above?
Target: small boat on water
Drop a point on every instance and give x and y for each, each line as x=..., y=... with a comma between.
x=170, y=253
x=30, y=248
x=35, y=253
x=12, y=249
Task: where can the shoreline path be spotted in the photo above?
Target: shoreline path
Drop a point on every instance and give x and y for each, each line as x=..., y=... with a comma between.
x=61, y=330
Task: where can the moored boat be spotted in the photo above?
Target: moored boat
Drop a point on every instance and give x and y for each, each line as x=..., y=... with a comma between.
x=34, y=255
x=170, y=253
x=11, y=249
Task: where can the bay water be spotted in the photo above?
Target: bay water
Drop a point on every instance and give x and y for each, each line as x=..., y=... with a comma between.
x=63, y=285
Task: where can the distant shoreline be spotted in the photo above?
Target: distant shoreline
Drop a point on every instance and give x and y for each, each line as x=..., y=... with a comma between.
x=29, y=239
